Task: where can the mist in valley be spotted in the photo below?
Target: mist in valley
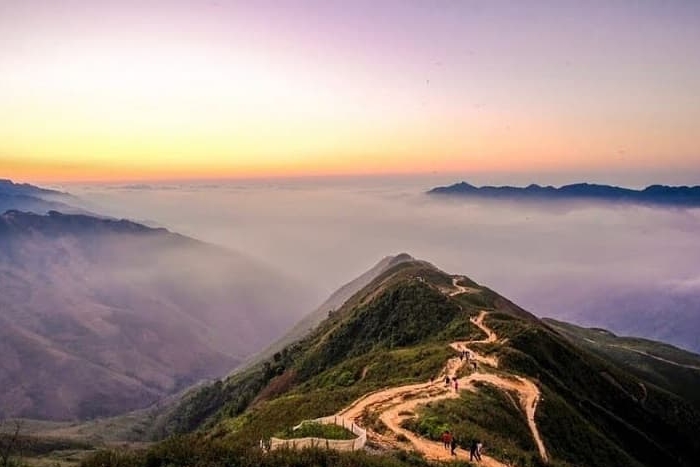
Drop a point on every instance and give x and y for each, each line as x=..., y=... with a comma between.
x=629, y=268
x=100, y=317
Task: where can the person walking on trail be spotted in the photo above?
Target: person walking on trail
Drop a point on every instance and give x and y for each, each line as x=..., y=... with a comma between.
x=473, y=455
x=456, y=385
x=479, y=447
x=474, y=365
x=447, y=380
x=453, y=446
x=446, y=439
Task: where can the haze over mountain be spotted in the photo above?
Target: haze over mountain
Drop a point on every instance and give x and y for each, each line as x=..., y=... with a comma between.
x=628, y=267
x=98, y=316
x=654, y=194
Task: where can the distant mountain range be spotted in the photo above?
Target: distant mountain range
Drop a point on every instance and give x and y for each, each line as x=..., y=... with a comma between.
x=101, y=316
x=654, y=194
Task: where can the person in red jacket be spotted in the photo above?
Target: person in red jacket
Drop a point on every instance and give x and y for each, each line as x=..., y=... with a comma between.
x=447, y=439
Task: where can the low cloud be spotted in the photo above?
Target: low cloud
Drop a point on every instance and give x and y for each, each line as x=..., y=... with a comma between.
x=555, y=262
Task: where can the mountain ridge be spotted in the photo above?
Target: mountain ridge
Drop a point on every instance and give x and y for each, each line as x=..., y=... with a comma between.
x=663, y=195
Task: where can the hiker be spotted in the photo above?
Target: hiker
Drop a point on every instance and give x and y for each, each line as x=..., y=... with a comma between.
x=446, y=439
x=456, y=385
x=461, y=356
x=447, y=380
x=474, y=365
x=479, y=447
x=453, y=446
x=472, y=451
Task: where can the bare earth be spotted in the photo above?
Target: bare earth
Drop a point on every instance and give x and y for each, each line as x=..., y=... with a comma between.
x=391, y=402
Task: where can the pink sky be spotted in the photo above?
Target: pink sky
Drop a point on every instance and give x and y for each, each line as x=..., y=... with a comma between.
x=126, y=89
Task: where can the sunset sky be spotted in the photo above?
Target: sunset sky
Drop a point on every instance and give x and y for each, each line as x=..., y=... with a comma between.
x=120, y=90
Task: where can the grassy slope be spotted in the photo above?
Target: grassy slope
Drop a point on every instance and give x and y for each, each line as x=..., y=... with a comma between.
x=641, y=357
x=593, y=411
x=489, y=415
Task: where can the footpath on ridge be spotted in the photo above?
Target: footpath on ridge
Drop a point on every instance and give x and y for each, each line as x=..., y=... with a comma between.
x=391, y=403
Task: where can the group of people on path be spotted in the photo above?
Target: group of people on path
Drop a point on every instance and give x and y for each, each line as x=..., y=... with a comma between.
x=450, y=442
x=465, y=354
x=453, y=381
x=449, y=381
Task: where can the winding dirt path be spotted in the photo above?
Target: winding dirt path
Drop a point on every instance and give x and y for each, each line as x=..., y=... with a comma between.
x=460, y=289
x=396, y=404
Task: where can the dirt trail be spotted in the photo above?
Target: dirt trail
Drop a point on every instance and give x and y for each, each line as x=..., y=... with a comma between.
x=398, y=403
x=393, y=405
x=460, y=289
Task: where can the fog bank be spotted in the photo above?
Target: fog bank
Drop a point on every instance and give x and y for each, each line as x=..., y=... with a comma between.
x=589, y=263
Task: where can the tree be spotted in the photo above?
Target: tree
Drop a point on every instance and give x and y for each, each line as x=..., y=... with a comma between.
x=11, y=443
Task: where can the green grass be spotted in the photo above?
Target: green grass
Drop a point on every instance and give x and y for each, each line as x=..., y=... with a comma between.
x=489, y=415
x=624, y=351
x=328, y=392
x=197, y=451
x=595, y=413
x=316, y=430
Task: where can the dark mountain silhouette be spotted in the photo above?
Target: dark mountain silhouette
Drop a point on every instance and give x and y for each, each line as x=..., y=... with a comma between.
x=101, y=316
x=654, y=195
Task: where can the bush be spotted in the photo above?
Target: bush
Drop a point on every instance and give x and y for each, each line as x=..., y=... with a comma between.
x=317, y=430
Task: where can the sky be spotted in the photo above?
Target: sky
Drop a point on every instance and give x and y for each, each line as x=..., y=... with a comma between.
x=139, y=90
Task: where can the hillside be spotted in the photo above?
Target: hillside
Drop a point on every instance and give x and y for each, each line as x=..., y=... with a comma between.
x=670, y=368
x=99, y=317
x=532, y=396
x=653, y=195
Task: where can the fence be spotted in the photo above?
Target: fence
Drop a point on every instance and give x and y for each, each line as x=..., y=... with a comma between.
x=337, y=444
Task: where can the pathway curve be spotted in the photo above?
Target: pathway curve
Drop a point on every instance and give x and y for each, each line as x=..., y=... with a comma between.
x=398, y=403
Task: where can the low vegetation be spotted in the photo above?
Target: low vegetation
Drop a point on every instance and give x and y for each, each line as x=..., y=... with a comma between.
x=488, y=415
x=317, y=430
x=198, y=451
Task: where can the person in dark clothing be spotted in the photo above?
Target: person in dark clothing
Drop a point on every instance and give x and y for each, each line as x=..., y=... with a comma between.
x=453, y=446
x=473, y=454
